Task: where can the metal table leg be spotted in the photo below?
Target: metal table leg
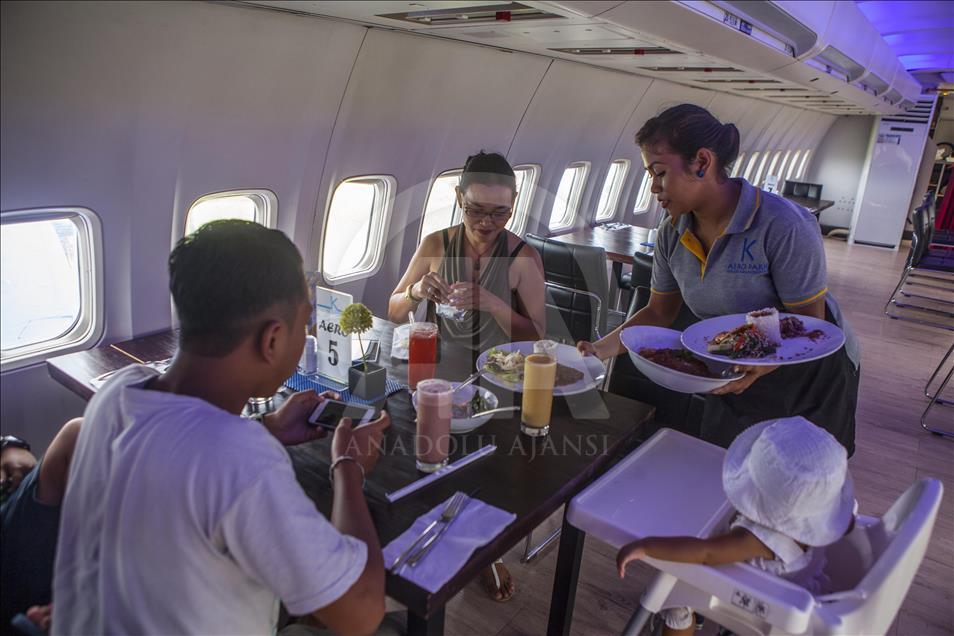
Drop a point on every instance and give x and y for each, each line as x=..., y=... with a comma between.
x=565, y=579
x=934, y=400
x=927, y=385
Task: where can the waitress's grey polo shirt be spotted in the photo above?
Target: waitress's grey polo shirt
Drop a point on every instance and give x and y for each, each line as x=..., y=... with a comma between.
x=770, y=255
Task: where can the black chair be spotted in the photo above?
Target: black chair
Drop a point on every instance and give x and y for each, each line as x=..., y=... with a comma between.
x=577, y=289
x=640, y=276
x=927, y=268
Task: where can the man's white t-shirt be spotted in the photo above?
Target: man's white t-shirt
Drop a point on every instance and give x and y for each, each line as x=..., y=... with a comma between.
x=182, y=518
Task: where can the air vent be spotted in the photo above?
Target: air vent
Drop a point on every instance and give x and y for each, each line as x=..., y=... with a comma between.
x=473, y=14
x=656, y=50
x=691, y=69
x=775, y=89
x=742, y=81
x=919, y=114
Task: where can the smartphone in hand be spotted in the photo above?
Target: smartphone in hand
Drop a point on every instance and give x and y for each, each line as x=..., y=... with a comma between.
x=329, y=413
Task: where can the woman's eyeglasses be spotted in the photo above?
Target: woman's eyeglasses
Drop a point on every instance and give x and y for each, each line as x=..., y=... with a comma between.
x=475, y=214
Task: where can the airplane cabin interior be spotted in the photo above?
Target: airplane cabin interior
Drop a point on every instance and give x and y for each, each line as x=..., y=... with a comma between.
x=475, y=317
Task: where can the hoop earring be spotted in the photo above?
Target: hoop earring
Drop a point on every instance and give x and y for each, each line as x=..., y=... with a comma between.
x=701, y=173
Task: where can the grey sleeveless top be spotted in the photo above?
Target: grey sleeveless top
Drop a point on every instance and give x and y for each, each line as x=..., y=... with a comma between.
x=478, y=331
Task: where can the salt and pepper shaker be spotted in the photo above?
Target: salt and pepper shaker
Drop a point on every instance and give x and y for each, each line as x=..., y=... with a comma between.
x=308, y=365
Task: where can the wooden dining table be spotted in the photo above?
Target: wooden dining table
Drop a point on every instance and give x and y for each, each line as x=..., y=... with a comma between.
x=620, y=241
x=529, y=477
x=815, y=206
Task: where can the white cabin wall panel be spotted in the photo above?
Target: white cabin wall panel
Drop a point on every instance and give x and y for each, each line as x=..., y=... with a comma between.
x=260, y=98
x=576, y=114
x=134, y=110
x=659, y=96
x=837, y=165
x=414, y=107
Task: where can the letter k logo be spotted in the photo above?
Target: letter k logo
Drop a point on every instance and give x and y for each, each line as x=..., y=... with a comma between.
x=746, y=249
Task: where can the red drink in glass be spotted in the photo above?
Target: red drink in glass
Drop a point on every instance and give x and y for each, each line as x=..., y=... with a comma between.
x=422, y=353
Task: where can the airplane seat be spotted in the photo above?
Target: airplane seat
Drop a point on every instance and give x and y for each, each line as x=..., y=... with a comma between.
x=577, y=289
x=640, y=276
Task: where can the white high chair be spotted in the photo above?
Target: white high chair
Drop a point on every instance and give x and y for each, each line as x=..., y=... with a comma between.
x=672, y=485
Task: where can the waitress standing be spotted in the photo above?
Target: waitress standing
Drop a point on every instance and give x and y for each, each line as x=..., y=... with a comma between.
x=727, y=247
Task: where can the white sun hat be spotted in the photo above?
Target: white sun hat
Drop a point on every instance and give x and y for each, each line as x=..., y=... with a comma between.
x=791, y=476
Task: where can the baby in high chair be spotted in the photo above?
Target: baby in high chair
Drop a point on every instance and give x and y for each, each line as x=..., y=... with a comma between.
x=788, y=480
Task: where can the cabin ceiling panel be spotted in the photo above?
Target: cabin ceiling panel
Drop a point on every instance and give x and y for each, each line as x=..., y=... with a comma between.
x=627, y=36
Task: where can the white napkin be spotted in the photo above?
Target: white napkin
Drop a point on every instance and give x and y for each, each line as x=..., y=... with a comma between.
x=475, y=525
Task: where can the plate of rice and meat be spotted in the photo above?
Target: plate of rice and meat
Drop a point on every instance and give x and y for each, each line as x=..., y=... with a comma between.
x=658, y=353
x=763, y=337
x=575, y=373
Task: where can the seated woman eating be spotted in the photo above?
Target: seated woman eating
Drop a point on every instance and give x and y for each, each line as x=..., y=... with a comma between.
x=477, y=266
x=485, y=270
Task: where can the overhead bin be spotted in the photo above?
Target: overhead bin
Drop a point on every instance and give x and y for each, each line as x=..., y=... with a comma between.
x=824, y=47
x=724, y=34
x=881, y=69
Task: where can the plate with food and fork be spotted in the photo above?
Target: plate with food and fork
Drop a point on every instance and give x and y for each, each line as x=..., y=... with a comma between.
x=575, y=373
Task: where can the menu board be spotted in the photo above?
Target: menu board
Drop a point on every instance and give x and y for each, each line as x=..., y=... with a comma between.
x=334, y=347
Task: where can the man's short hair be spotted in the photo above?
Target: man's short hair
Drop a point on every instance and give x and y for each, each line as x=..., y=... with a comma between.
x=224, y=276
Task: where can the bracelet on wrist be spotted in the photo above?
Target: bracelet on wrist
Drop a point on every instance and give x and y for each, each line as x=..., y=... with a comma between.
x=409, y=294
x=345, y=458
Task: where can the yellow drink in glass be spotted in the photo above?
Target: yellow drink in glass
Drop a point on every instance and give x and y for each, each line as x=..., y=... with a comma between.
x=539, y=373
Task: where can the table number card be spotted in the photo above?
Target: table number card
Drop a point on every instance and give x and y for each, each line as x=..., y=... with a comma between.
x=334, y=347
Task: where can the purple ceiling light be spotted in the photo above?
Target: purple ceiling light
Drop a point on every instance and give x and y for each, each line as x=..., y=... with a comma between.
x=920, y=33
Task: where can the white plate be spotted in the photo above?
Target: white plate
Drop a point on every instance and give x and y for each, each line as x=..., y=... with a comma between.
x=636, y=338
x=590, y=366
x=465, y=395
x=792, y=350
x=399, y=342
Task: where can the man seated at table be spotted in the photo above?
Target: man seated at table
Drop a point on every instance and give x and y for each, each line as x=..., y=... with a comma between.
x=182, y=516
x=32, y=492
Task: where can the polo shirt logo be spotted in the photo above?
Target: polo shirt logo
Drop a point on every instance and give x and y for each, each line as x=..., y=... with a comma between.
x=747, y=264
x=747, y=249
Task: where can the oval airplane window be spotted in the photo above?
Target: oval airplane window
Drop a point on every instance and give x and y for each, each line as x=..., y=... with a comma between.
x=566, y=202
x=441, y=209
x=612, y=187
x=645, y=194
x=802, y=167
x=527, y=176
x=737, y=165
x=352, y=246
x=260, y=206
x=50, y=299
x=747, y=175
x=793, y=166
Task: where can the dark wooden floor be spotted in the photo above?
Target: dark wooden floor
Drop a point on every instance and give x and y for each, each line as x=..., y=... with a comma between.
x=893, y=452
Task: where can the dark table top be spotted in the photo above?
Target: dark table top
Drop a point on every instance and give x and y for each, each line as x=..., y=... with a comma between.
x=620, y=242
x=815, y=206
x=529, y=477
